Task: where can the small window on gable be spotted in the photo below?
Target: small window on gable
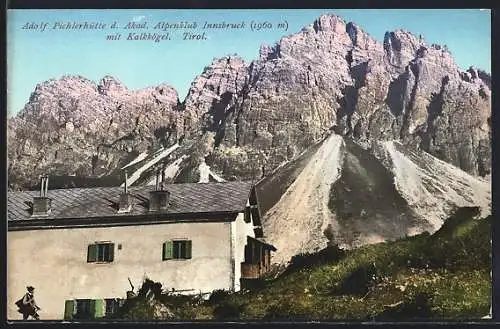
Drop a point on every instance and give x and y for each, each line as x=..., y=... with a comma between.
x=100, y=252
x=177, y=249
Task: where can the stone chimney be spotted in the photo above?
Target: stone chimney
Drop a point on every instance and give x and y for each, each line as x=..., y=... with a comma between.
x=42, y=204
x=159, y=198
x=125, y=204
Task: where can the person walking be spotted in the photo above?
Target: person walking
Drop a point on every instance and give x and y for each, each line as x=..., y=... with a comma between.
x=27, y=305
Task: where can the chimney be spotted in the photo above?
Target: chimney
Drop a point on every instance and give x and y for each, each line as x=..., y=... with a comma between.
x=157, y=180
x=125, y=204
x=163, y=174
x=42, y=204
x=158, y=199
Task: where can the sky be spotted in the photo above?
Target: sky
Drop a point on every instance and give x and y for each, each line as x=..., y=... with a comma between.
x=39, y=54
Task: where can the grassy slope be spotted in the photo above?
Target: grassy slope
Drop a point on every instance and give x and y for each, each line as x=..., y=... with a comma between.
x=443, y=276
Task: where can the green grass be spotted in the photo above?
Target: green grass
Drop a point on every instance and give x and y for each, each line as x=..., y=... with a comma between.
x=441, y=276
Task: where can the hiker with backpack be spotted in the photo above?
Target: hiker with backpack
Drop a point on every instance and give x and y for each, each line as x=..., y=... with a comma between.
x=27, y=305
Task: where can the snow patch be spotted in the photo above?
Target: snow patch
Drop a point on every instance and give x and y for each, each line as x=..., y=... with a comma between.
x=139, y=158
x=204, y=172
x=216, y=177
x=159, y=155
x=171, y=170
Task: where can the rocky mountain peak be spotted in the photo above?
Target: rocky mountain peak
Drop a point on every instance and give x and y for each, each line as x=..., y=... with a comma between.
x=329, y=23
x=485, y=77
x=110, y=85
x=167, y=92
x=362, y=39
x=476, y=76
x=87, y=129
x=69, y=83
x=401, y=47
x=267, y=52
x=330, y=76
x=216, y=89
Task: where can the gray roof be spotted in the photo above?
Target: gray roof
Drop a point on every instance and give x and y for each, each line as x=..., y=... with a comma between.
x=190, y=198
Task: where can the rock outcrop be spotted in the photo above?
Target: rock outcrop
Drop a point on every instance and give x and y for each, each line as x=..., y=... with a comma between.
x=334, y=75
x=74, y=126
x=329, y=76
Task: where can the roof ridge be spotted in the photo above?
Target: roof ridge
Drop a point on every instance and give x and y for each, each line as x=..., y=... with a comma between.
x=130, y=187
x=193, y=198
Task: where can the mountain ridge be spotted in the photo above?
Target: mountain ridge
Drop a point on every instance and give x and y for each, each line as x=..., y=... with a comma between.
x=330, y=75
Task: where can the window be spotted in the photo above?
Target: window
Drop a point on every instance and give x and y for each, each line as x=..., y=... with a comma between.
x=83, y=309
x=177, y=249
x=86, y=309
x=100, y=253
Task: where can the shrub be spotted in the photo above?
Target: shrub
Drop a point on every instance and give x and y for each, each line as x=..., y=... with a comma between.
x=227, y=310
x=218, y=296
x=460, y=218
x=137, y=309
x=359, y=281
x=469, y=247
x=328, y=255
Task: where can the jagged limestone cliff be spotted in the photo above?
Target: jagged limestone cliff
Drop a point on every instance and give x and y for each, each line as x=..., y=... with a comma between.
x=329, y=76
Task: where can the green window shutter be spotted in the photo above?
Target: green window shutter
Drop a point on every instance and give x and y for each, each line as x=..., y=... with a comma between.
x=188, y=249
x=92, y=309
x=176, y=254
x=168, y=250
x=92, y=253
x=99, y=308
x=111, y=252
x=69, y=307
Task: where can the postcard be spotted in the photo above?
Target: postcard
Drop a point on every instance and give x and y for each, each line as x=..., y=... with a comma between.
x=241, y=165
